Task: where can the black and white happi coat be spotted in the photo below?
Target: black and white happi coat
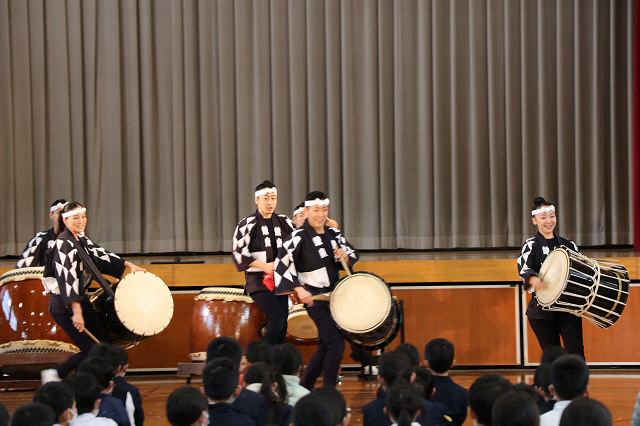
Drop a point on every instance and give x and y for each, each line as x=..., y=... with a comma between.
x=307, y=258
x=534, y=251
x=252, y=241
x=71, y=276
x=35, y=252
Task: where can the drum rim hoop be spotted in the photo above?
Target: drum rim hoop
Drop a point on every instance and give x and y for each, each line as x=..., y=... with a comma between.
x=22, y=274
x=551, y=299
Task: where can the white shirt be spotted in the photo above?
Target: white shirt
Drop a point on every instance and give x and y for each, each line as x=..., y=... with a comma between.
x=552, y=418
x=89, y=419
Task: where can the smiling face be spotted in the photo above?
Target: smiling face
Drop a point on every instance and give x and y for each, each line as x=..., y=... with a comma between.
x=317, y=217
x=267, y=204
x=546, y=223
x=299, y=219
x=76, y=222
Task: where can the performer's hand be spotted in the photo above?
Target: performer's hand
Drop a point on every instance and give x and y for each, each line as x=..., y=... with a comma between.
x=304, y=296
x=134, y=268
x=332, y=223
x=341, y=255
x=268, y=268
x=78, y=321
x=536, y=283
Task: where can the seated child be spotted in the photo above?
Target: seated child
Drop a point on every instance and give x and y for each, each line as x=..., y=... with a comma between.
x=86, y=391
x=286, y=360
x=220, y=380
x=187, y=406
x=261, y=378
x=110, y=406
x=59, y=397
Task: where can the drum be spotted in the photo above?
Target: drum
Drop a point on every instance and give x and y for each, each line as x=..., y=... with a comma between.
x=595, y=291
x=376, y=321
x=224, y=311
x=37, y=346
x=24, y=309
x=142, y=307
x=300, y=326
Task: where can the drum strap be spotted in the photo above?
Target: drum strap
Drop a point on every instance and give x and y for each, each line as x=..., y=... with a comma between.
x=93, y=269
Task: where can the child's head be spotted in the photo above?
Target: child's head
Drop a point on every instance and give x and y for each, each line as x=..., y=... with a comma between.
x=99, y=368
x=424, y=378
x=542, y=380
x=287, y=359
x=403, y=403
x=220, y=379
x=33, y=414
x=185, y=406
x=394, y=365
x=225, y=347
x=411, y=351
x=86, y=390
x=334, y=396
x=313, y=411
x=58, y=396
x=515, y=409
x=569, y=377
x=439, y=355
x=258, y=351
x=115, y=354
x=483, y=393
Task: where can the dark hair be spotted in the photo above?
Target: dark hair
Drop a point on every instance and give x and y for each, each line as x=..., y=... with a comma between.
x=258, y=351
x=439, y=354
x=528, y=389
x=286, y=359
x=315, y=194
x=71, y=205
x=56, y=202
x=539, y=202
x=4, y=416
x=115, y=354
x=225, y=347
x=394, y=365
x=424, y=379
x=185, y=406
x=542, y=378
x=334, y=397
x=552, y=353
x=33, y=414
x=99, y=368
x=403, y=402
x=313, y=411
x=586, y=412
x=220, y=379
x=411, y=351
x=484, y=392
x=515, y=409
x=262, y=373
x=57, y=395
x=86, y=390
x=298, y=206
x=569, y=377
x=265, y=184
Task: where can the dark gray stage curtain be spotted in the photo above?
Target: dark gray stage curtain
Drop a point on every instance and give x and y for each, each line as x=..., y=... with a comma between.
x=429, y=124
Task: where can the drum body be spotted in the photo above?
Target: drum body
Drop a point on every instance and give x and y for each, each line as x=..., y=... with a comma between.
x=300, y=326
x=224, y=311
x=24, y=311
x=142, y=307
x=362, y=306
x=594, y=290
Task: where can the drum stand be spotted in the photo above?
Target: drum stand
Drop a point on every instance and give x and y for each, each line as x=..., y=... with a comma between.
x=367, y=375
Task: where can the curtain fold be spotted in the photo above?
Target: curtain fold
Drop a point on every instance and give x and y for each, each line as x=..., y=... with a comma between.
x=429, y=124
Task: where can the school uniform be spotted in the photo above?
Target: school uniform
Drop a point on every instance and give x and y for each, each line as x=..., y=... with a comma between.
x=112, y=408
x=252, y=405
x=373, y=413
x=222, y=413
x=452, y=396
x=125, y=391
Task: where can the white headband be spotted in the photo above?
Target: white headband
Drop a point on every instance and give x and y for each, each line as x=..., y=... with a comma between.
x=316, y=202
x=267, y=191
x=57, y=207
x=543, y=209
x=298, y=210
x=74, y=212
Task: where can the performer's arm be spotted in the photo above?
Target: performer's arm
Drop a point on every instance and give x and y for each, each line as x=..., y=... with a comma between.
x=77, y=319
x=530, y=279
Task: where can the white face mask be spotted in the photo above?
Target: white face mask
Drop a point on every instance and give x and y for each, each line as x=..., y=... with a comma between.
x=207, y=416
x=73, y=415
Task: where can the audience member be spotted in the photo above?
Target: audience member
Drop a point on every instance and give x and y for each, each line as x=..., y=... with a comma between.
x=482, y=395
x=58, y=396
x=541, y=383
x=515, y=409
x=312, y=411
x=551, y=354
x=411, y=351
x=124, y=391
x=248, y=403
x=86, y=390
x=334, y=397
x=396, y=366
x=439, y=358
x=33, y=414
x=186, y=406
x=586, y=412
x=110, y=406
x=258, y=351
x=569, y=380
x=286, y=360
x=424, y=378
x=403, y=404
x=220, y=380
x=261, y=379
x=4, y=416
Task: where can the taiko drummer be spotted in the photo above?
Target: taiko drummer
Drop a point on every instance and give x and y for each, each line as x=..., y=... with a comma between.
x=66, y=279
x=312, y=256
x=548, y=326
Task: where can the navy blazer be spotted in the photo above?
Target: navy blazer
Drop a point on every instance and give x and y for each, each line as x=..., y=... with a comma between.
x=120, y=390
x=251, y=404
x=373, y=414
x=222, y=413
x=453, y=397
x=112, y=408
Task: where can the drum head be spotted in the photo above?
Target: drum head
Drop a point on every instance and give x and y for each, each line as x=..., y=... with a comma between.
x=300, y=325
x=360, y=302
x=143, y=303
x=554, y=272
x=21, y=274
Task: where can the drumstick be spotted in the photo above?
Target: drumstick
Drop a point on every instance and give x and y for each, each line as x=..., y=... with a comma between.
x=92, y=336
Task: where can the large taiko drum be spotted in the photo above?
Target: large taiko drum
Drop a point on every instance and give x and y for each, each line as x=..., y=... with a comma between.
x=300, y=326
x=595, y=291
x=223, y=311
x=376, y=321
x=142, y=307
x=25, y=315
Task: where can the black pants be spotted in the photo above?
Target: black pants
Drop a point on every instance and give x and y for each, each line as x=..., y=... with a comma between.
x=276, y=308
x=563, y=324
x=328, y=356
x=92, y=322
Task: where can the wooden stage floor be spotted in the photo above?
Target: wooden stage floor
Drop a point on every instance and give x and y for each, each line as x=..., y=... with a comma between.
x=617, y=389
